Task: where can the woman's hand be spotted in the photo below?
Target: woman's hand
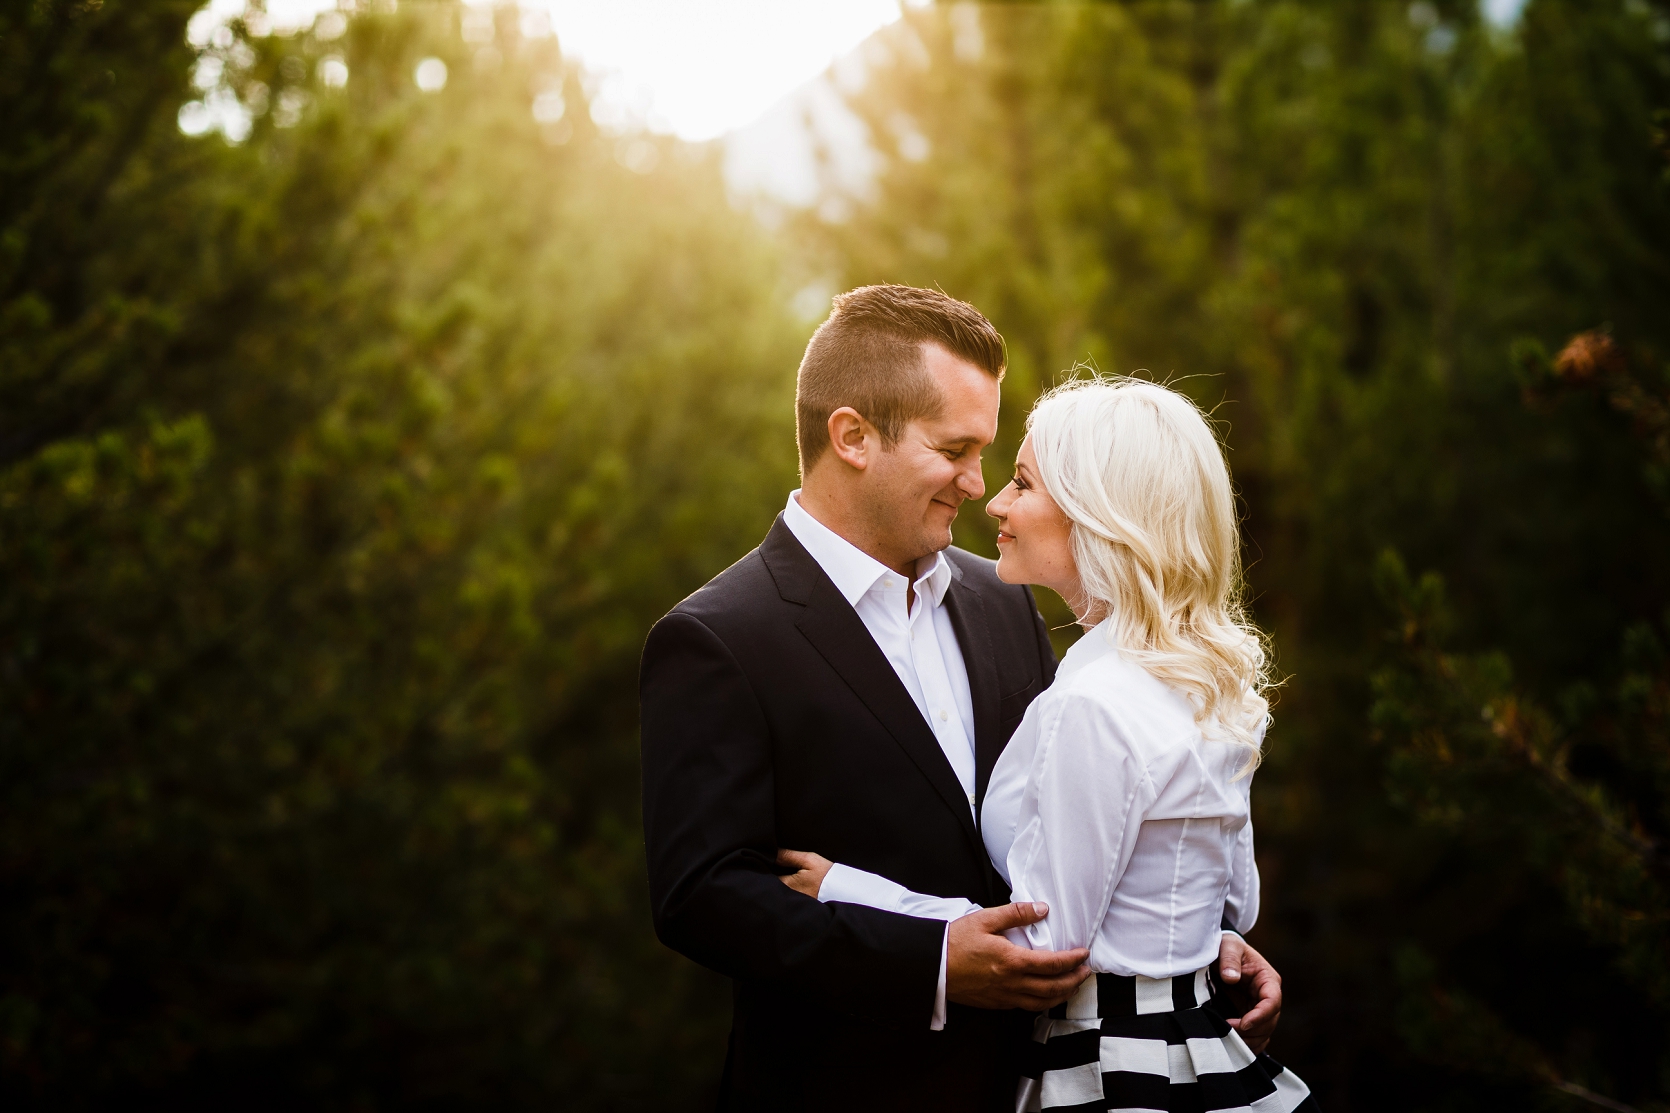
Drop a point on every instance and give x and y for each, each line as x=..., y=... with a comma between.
x=809, y=871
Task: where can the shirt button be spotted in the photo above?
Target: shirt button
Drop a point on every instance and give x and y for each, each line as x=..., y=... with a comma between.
x=943, y=716
x=971, y=799
x=887, y=583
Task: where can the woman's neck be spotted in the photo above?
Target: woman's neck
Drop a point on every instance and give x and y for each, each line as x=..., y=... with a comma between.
x=1087, y=612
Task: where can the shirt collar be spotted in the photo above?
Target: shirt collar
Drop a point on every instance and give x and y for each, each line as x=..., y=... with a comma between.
x=853, y=571
x=1096, y=642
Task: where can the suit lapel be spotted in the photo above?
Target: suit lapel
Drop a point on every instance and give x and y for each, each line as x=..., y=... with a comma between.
x=968, y=619
x=839, y=635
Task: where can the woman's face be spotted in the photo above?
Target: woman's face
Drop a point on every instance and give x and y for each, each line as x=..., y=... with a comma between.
x=1035, y=538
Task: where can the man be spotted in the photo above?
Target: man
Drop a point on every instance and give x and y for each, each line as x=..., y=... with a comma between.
x=846, y=688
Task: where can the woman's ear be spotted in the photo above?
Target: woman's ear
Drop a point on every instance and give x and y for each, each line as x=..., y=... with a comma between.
x=851, y=437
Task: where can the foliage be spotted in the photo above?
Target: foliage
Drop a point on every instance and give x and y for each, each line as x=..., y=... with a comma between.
x=1578, y=794
x=343, y=469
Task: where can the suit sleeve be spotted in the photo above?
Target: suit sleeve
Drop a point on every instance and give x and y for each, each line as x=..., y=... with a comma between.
x=711, y=842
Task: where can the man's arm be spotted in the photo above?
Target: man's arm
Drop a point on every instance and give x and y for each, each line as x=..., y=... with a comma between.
x=710, y=837
x=1251, y=978
x=984, y=965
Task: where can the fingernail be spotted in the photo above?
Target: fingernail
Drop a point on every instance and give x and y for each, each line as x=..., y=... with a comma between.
x=1040, y=908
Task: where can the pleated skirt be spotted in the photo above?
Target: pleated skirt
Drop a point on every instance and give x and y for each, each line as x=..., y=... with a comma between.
x=1128, y=1042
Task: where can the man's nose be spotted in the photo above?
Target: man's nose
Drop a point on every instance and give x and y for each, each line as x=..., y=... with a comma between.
x=971, y=482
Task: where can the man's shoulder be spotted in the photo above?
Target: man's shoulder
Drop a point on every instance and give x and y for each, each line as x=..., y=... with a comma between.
x=982, y=569
x=980, y=573
x=744, y=609
x=744, y=587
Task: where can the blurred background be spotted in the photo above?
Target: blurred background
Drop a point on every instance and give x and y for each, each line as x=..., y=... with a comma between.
x=372, y=376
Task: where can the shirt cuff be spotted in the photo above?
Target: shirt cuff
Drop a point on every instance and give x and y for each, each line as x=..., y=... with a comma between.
x=850, y=886
x=938, y=1021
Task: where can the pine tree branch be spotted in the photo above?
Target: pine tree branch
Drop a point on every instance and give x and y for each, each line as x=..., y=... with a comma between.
x=1593, y=1098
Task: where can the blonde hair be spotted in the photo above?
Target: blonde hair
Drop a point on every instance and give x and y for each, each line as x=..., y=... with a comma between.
x=1136, y=469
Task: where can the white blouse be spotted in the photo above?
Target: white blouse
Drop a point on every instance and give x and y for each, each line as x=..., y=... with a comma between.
x=1111, y=806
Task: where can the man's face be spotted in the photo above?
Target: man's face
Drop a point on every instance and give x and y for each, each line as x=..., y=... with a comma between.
x=917, y=486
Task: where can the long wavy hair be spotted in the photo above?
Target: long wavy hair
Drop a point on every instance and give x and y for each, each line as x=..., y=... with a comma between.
x=1136, y=469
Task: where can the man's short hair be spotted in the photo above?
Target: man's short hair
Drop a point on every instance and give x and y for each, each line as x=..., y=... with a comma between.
x=868, y=355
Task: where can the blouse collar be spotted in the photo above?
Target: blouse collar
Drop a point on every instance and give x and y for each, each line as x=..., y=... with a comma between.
x=1096, y=643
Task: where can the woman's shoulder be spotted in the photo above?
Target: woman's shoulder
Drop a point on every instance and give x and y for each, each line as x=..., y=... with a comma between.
x=1116, y=706
x=1116, y=699
x=1114, y=680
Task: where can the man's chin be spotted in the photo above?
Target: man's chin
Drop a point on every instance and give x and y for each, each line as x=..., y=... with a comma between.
x=932, y=541
x=940, y=529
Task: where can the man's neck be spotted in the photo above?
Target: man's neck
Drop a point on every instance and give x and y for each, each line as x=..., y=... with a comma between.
x=830, y=513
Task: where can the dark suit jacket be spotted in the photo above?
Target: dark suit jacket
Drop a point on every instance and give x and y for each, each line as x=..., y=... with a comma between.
x=772, y=719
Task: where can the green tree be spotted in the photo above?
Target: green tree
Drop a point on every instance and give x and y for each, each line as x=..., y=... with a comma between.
x=343, y=468
x=1569, y=795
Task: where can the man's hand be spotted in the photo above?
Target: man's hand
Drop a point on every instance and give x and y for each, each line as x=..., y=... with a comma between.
x=809, y=871
x=1254, y=980
x=987, y=971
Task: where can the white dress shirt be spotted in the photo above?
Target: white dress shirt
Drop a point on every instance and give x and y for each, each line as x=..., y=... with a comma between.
x=1110, y=805
x=920, y=644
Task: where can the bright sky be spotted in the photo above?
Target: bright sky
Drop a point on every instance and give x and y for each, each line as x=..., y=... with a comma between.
x=697, y=68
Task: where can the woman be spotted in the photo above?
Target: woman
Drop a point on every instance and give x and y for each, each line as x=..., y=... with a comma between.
x=1122, y=799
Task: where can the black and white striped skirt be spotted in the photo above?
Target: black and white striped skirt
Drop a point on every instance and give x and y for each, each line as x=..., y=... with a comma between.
x=1129, y=1042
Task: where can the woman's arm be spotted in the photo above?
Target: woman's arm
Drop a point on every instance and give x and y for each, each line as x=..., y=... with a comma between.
x=1241, y=903
x=1241, y=906
x=1086, y=795
x=817, y=876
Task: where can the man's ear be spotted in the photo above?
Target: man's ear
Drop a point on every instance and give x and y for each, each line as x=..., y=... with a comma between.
x=851, y=437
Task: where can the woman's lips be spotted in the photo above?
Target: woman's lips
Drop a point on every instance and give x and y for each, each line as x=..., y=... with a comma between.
x=1002, y=537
